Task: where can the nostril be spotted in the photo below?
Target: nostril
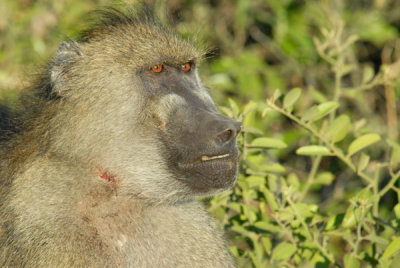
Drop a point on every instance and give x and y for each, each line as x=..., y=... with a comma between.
x=226, y=135
x=229, y=131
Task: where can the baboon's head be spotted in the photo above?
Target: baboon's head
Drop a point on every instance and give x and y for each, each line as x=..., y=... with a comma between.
x=132, y=104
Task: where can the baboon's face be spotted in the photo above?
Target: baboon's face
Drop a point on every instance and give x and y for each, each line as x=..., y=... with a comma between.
x=198, y=143
x=136, y=108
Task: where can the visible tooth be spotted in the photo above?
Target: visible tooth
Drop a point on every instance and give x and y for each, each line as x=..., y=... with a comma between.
x=221, y=156
x=207, y=158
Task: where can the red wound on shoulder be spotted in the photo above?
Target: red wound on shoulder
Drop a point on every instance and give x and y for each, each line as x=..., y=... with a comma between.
x=107, y=177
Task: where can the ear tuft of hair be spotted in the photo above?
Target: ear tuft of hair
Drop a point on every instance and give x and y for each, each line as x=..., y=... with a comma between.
x=66, y=54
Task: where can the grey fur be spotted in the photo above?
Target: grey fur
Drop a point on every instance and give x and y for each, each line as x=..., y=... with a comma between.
x=90, y=181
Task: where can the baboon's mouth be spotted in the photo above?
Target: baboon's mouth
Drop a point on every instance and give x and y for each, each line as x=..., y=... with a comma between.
x=210, y=171
x=209, y=158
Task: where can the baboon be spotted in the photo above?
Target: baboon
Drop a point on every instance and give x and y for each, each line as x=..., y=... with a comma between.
x=117, y=140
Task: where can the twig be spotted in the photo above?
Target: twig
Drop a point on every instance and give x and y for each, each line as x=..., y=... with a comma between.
x=335, y=151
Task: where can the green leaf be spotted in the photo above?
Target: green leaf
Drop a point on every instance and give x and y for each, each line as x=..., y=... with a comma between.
x=250, y=213
x=253, y=180
x=267, y=226
x=338, y=129
x=277, y=94
x=274, y=168
x=310, y=245
x=234, y=107
x=268, y=143
x=377, y=239
x=293, y=181
x=392, y=249
x=290, y=98
x=363, y=162
x=295, y=223
x=283, y=251
x=268, y=195
x=226, y=111
x=324, y=109
x=252, y=130
x=304, y=210
x=345, y=235
x=265, y=111
x=362, y=142
x=310, y=113
x=249, y=107
x=349, y=219
x=368, y=74
x=319, y=260
x=351, y=262
x=396, y=210
x=249, y=112
x=324, y=178
x=235, y=206
x=317, y=112
x=313, y=150
x=234, y=251
x=333, y=222
x=266, y=242
x=347, y=68
x=241, y=230
x=317, y=95
x=258, y=163
x=274, y=183
x=365, y=195
x=373, y=27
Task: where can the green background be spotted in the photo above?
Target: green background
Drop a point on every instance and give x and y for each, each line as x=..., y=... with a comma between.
x=315, y=84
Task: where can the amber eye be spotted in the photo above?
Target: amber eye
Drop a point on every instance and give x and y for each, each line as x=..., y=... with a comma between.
x=157, y=68
x=186, y=67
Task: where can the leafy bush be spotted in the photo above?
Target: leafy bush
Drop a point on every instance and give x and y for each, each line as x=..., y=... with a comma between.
x=324, y=188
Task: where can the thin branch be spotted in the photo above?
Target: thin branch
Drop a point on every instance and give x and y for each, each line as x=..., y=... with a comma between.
x=335, y=151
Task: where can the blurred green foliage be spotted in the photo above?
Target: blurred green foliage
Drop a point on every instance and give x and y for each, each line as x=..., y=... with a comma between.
x=315, y=84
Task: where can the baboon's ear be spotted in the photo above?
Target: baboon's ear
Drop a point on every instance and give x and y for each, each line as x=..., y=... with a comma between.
x=66, y=54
